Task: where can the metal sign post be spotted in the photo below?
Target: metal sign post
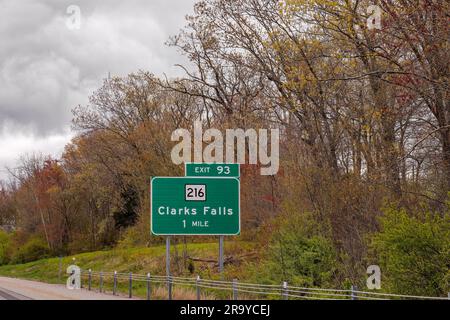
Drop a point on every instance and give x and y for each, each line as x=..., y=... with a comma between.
x=168, y=256
x=221, y=238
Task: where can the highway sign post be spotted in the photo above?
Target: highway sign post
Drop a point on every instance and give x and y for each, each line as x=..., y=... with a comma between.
x=205, y=202
x=219, y=170
x=221, y=240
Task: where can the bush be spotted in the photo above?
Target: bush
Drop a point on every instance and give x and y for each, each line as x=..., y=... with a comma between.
x=136, y=236
x=4, y=248
x=299, y=255
x=33, y=249
x=414, y=252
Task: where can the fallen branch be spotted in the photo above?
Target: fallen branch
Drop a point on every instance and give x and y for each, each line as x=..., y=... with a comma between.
x=226, y=260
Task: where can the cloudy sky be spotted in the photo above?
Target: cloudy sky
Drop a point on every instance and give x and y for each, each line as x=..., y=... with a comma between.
x=49, y=63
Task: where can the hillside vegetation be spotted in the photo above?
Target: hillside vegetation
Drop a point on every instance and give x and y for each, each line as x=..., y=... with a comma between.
x=136, y=260
x=139, y=261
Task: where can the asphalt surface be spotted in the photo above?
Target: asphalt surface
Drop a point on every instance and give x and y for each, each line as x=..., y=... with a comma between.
x=18, y=289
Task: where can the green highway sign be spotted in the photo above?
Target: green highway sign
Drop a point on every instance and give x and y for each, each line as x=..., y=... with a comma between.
x=195, y=206
x=212, y=170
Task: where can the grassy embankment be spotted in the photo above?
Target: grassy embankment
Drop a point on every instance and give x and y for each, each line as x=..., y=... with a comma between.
x=138, y=261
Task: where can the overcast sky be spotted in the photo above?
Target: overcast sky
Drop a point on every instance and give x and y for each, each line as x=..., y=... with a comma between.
x=48, y=66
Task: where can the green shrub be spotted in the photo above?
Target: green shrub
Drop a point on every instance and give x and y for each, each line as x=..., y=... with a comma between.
x=33, y=249
x=136, y=236
x=4, y=248
x=299, y=255
x=414, y=253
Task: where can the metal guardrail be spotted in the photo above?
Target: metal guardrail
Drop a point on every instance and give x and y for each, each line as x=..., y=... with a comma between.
x=237, y=289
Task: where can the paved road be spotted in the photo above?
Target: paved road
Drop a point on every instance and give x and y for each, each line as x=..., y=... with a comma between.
x=17, y=289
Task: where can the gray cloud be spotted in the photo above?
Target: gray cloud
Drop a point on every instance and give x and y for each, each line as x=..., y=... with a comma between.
x=47, y=69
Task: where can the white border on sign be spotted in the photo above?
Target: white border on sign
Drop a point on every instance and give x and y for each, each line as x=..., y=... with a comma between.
x=192, y=234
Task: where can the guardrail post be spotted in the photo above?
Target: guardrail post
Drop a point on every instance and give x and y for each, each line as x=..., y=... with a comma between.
x=101, y=281
x=197, y=285
x=449, y=296
x=169, y=286
x=284, y=291
x=90, y=280
x=235, y=293
x=115, y=283
x=354, y=294
x=130, y=286
x=148, y=286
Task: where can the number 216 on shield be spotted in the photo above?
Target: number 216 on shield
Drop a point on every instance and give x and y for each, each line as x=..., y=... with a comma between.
x=195, y=192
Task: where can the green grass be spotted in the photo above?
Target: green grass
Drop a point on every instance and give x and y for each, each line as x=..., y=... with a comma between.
x=138, y=261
